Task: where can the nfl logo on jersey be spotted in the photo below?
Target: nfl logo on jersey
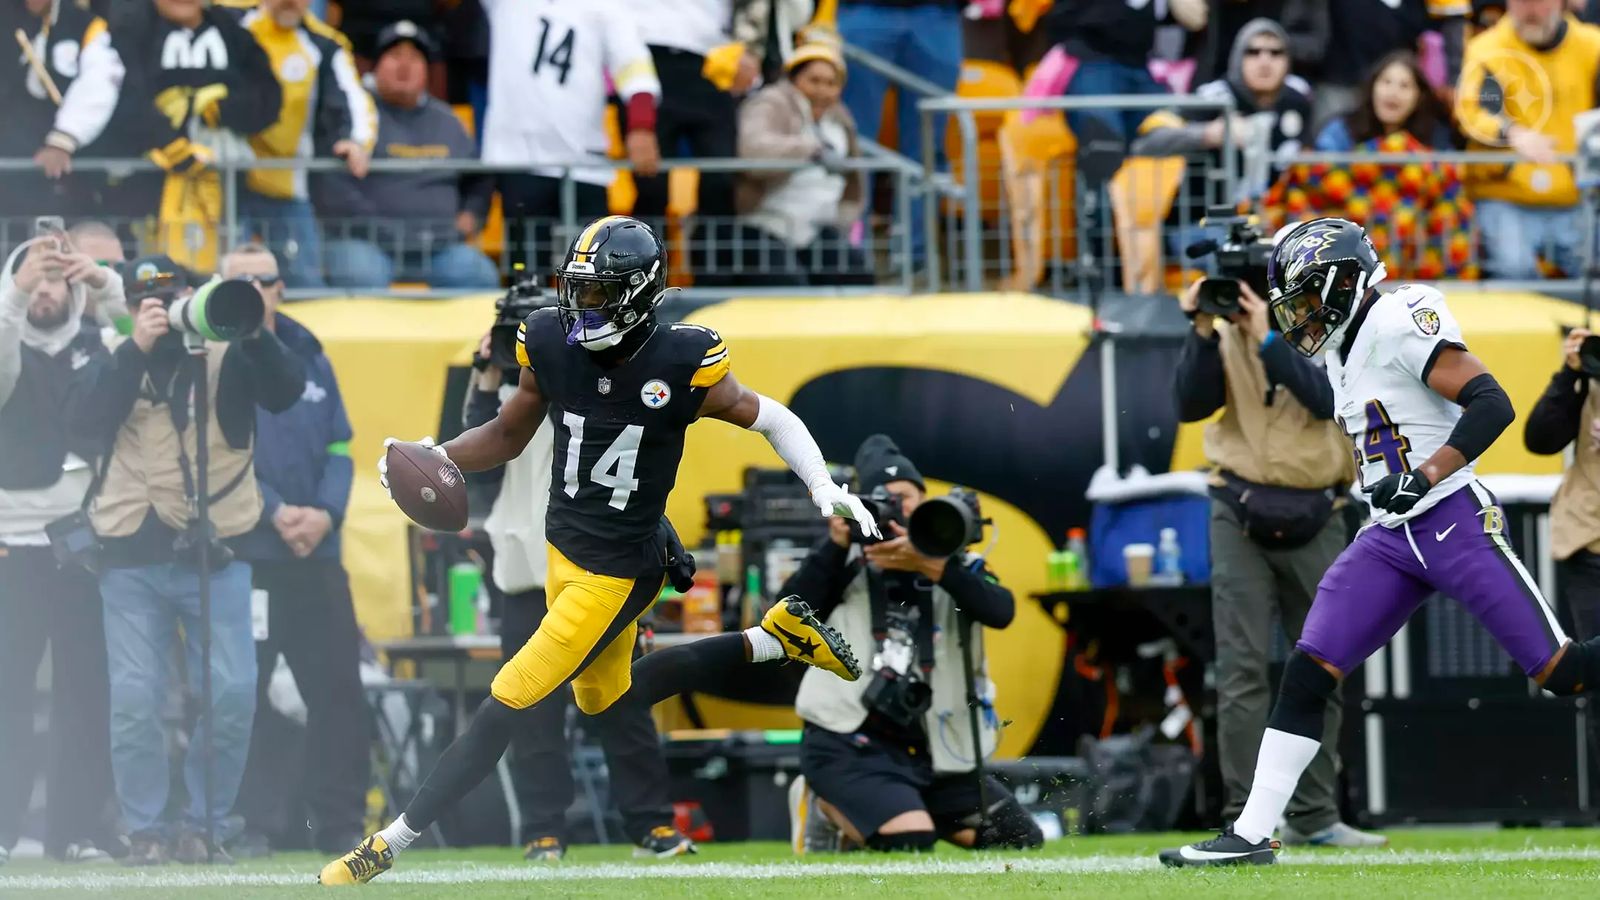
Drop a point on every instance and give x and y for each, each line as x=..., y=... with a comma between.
x=655, y=393
x=604, y=386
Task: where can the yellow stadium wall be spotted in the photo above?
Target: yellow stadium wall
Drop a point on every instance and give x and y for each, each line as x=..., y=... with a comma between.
x=392, y=356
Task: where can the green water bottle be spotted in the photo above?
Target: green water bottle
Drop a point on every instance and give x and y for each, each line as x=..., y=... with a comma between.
x=750, y=606
x=465, y=579
x=1071, y=571
x=1055, y=571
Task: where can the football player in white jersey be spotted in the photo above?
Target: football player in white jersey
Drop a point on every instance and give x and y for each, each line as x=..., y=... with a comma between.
x=1420, y=409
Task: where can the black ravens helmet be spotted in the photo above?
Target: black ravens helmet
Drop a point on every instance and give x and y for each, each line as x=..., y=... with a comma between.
x=611, y=281
x=1317, y=274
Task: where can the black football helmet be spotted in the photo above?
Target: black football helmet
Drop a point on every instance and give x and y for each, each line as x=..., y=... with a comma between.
x=613, y=277
x=1317, y=274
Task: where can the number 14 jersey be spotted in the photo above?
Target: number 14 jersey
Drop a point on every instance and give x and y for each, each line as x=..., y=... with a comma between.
x=1381, y=393
x=549, y=65
x=618, y=436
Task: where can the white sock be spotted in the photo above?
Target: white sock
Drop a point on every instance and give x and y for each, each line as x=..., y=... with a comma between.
x=1283, y=757
x=399, y=834
x=763, y=646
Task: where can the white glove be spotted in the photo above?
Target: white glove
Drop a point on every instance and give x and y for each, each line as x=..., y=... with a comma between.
x=383, y=461
x=834, y=500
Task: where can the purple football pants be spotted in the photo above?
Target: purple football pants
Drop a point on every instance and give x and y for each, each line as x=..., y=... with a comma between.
x=1457, y=548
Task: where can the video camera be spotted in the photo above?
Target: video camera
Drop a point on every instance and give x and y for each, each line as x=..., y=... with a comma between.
x=520, y=301
x=1241, y=256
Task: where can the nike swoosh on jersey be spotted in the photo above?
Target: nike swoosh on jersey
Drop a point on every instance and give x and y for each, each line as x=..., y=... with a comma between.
x=1441, y=535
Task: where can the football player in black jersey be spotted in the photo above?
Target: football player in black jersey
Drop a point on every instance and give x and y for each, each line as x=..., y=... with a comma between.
x=619, y=388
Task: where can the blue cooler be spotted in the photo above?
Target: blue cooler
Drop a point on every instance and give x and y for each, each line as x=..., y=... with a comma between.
x=1135, y=509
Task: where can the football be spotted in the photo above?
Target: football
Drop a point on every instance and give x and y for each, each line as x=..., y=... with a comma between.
x=427, y=486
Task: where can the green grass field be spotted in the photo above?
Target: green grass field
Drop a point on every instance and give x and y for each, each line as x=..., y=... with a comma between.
x=1453, y=863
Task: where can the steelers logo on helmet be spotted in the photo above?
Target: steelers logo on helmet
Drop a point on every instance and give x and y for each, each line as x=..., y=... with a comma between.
x=612, y=279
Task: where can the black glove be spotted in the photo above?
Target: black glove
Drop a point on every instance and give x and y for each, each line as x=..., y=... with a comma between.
x=1399, y=492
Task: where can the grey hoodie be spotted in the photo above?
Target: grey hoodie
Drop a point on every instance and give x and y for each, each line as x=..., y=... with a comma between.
x=1251, y=29
x=1292, y=105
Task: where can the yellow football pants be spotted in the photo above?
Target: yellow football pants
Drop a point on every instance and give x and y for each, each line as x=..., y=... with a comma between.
x=586, y=638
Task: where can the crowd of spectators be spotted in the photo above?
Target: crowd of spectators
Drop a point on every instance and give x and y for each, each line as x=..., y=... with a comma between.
x=1365, y=76
x=184, y=81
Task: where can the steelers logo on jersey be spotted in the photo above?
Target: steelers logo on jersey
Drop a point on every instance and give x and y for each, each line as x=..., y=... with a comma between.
x=655, y=393
x=1427, y=321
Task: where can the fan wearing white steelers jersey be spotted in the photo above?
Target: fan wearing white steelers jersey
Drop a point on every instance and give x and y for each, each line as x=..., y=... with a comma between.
x=553, y=64
x=1420, y=409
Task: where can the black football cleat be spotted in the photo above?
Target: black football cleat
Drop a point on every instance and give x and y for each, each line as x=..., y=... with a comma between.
x=546, y=849
x=665, y=842
x=1226, y=849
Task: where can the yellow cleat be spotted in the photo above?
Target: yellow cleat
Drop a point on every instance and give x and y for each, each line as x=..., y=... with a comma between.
x=805, y=638
x=366, y=862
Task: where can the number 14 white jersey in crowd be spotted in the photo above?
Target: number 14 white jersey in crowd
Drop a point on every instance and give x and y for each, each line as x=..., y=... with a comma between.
x=552, y=64
x=1381, y=393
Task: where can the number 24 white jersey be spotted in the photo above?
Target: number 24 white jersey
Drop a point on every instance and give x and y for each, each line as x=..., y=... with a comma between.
x=549, y=64
x=1381, y=393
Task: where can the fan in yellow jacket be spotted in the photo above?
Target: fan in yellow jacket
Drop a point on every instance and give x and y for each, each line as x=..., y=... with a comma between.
x=1522, y=83
x=325, y=112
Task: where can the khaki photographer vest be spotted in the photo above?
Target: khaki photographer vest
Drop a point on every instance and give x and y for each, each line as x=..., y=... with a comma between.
x=144, y=470
x=1282, y=445
x=1575, y=509
x=830, y=702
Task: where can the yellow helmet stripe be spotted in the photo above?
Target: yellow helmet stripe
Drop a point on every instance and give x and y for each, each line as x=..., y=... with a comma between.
x=586, y=240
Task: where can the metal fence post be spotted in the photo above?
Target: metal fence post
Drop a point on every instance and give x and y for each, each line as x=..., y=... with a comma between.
x=230, y=204
x=902, y=201
x=973, y=226
x=569, y=206
x=930, y=204
x=1108, y=401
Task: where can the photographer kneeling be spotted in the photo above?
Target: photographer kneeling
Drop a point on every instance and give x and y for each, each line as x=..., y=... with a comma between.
x=1280, y=468
x=890, y=757
x=139, y=402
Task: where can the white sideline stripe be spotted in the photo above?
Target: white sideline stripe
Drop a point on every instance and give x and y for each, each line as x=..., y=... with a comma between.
x=467, y=873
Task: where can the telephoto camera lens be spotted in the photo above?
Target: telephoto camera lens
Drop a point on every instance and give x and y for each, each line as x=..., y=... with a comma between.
x=940, y=527
x=219, y=311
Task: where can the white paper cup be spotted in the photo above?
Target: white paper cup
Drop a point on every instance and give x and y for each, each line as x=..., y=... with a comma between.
x=1140, y=559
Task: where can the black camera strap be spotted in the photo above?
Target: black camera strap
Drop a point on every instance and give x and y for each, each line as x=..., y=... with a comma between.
x=99, y=479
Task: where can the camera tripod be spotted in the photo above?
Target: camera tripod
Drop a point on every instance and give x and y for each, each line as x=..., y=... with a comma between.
x=195, y=357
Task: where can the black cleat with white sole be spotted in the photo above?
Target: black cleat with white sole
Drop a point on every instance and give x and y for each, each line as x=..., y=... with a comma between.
x=1226, y=849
